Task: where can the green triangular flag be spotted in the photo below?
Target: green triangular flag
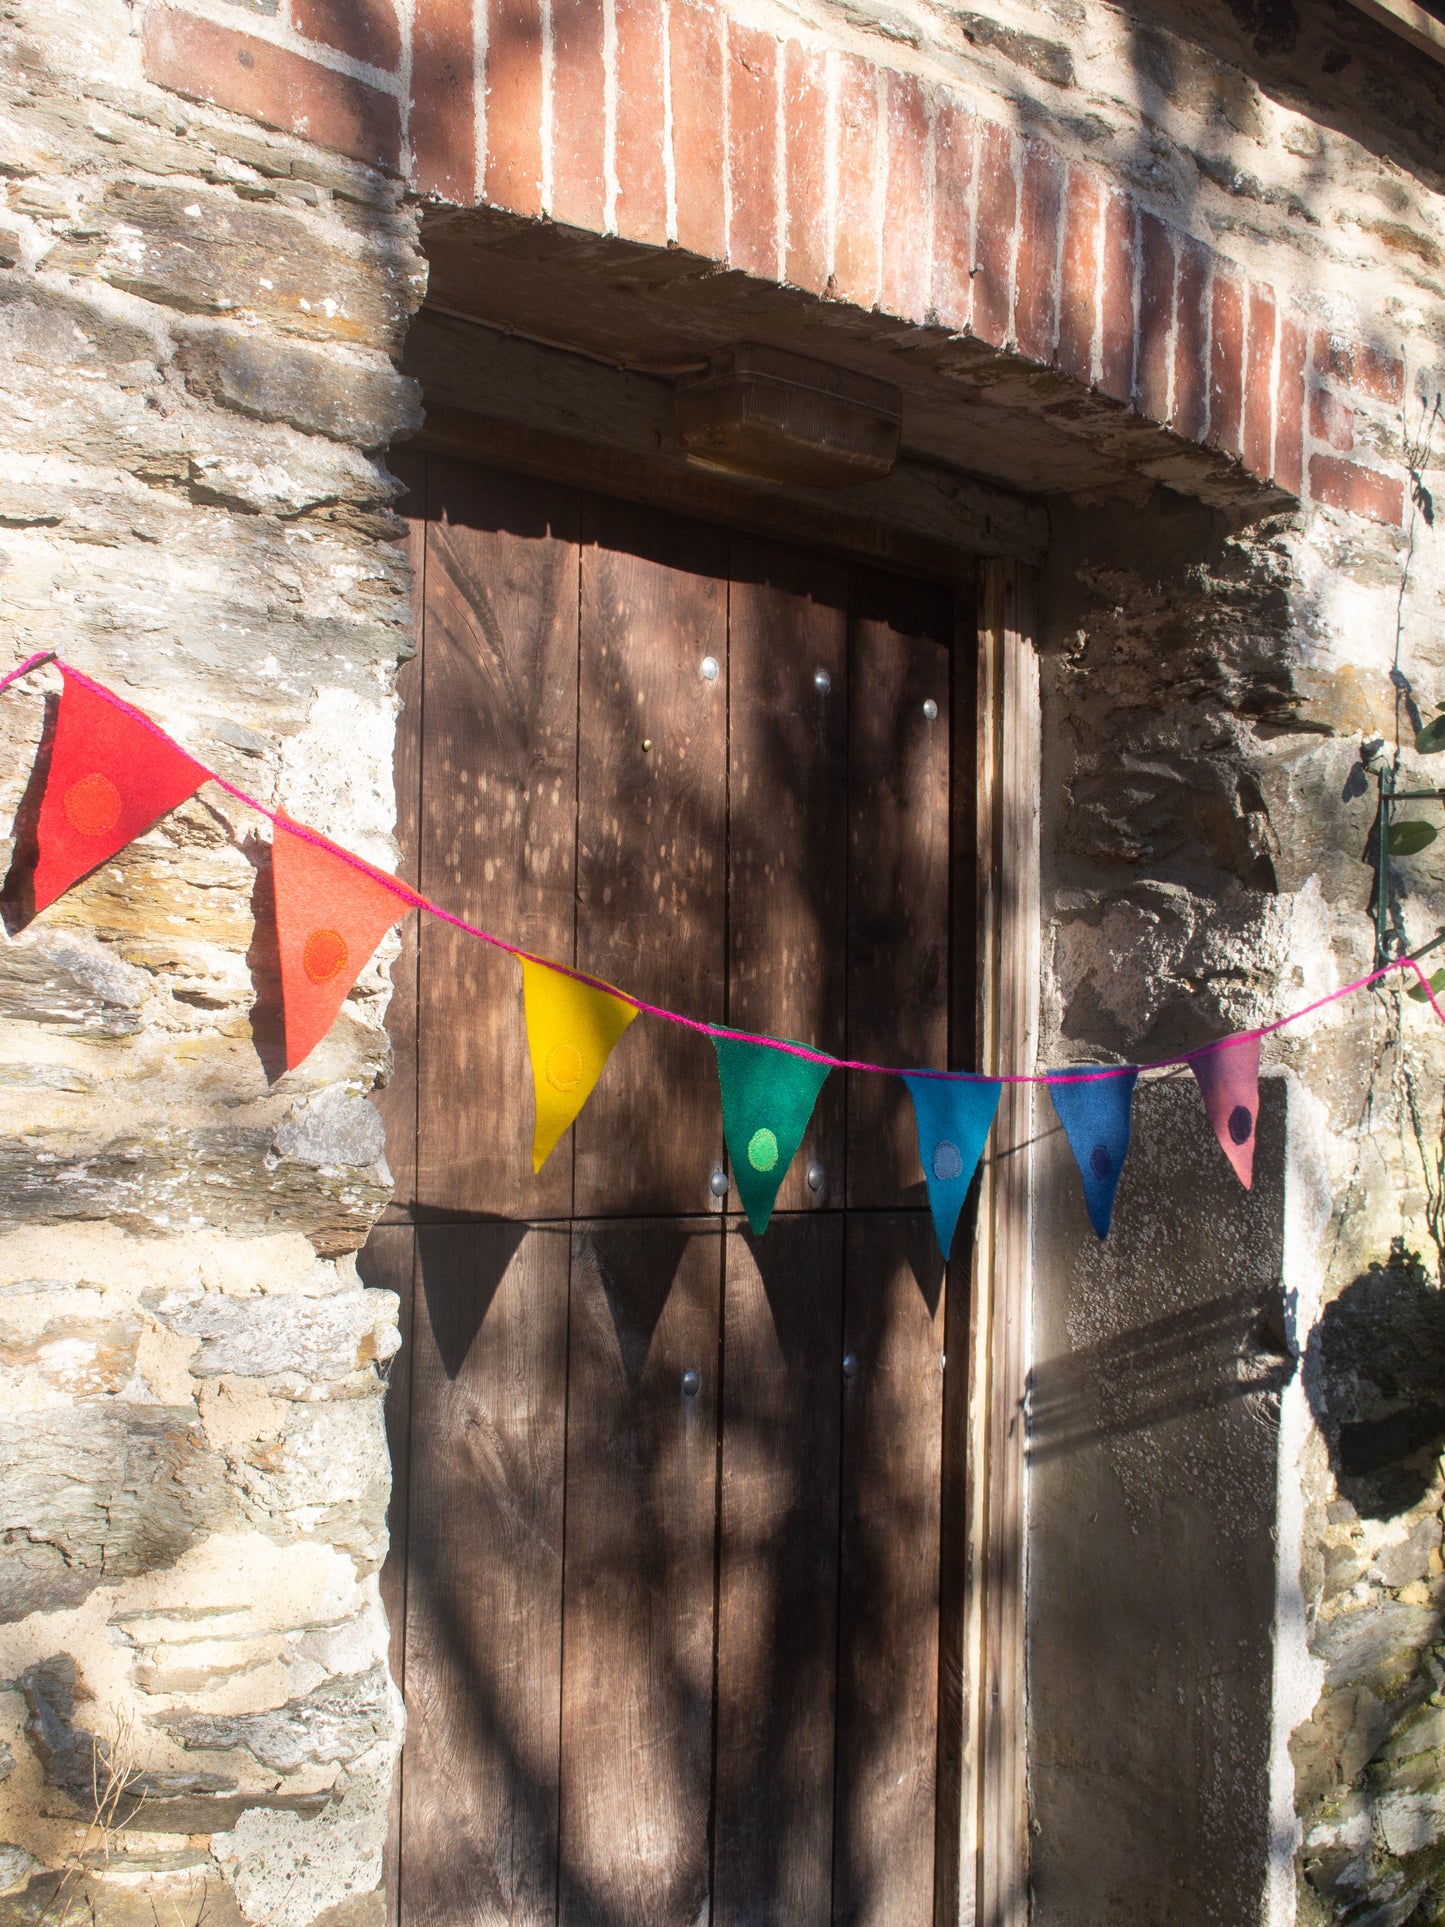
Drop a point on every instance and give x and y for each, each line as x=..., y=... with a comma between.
x=767, y=1098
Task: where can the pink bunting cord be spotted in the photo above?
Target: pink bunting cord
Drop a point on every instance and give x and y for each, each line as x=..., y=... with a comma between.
x=414, y=900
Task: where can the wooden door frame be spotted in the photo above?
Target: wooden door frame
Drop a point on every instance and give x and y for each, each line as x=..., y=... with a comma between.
x=982, y=1710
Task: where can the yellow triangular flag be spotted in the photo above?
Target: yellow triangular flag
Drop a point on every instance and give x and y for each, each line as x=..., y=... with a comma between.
x=571, y=1030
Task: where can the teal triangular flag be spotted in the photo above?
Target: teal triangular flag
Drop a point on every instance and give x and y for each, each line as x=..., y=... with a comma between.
x=767, y=1098
x=954, y=1117
x=1095, y=1115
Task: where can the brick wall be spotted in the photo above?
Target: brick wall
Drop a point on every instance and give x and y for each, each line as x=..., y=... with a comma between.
x=669, y=123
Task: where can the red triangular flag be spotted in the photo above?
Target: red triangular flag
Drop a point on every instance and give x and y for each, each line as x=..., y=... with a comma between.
x=330, y=915
x=111, y=776
x=1228, y=1079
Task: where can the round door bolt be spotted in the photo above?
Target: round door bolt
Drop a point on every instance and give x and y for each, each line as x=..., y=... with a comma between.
x=647, y=742
x=718, y=1183
x=817, y=1177
x=930, y=711
x=850, y=1365
x=707, y=669
x=822, y=681
x=691, y=1382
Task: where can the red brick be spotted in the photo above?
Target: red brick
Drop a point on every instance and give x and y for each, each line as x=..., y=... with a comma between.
x=268, y=84
x=579, y=183
x=640, y=163
x=443, y=125
x=1226, y=358
x=954, y=129
x=906, y=216
x=1036, y=276
x=1289, y=398
x=1191, y=339
x=994, y=233
x=1257, y=438
x=1332, y=421
x=365, y=29
x=753, y=150
x=805, y=139
x=1079, y=278
x=858, y=223
x=1152, y=369
x=1359, y=491
x=1116, y=299
x=696, y=68
x=512, y=177
x=1369, y=371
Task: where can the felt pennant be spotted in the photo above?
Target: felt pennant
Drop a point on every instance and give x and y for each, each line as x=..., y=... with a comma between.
x=767, y=1099
x=111, y=777
x=1228, y=1079
x=954, y=1119
x=571, y=1031
x=1095, y=1114
x=330, y=915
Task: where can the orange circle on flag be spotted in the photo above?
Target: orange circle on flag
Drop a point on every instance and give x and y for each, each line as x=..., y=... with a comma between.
x=564, y=1066
x=324, y=955
x=92, y=806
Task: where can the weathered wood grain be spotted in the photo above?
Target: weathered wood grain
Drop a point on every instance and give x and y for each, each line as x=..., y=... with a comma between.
x=898, y=871
x=778, y=1581
x=498, y=829
x=484, y=1592
x=641, y=1518
x=651, y=871
x=889, y=1567
x=787, y=837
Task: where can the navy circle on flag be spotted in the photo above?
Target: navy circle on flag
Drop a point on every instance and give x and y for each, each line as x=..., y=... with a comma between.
x=1241, y=1124
x=1100, y=1163
x=947, y=1162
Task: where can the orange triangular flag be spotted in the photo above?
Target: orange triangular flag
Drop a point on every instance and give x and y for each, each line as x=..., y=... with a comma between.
x=331, y=913
x=112, y=775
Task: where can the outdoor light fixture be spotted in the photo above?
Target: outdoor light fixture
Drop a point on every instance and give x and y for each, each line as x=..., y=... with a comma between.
x=781, y=417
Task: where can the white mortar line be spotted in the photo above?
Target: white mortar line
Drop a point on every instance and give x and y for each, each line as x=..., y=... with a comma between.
x=1297, y=1677
x=481, y=29
x=930, y=198
x=549, y=63
x=830, y=164
x=727, y=145
x=880, y=175
x=669, y=159
x=609, y=116
x=270, y=28
x=780, y=162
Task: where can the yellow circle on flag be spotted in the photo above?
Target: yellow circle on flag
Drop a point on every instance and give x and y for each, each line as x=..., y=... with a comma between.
x=564, y=1066
x=762, y=1150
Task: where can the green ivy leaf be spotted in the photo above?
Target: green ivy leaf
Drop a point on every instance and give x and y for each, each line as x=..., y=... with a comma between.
x=1431, y=739
x=1408, y=839
x=1417, y=989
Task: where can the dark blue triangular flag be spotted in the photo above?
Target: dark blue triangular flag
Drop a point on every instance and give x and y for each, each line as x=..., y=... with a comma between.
x=1095, y=1115
x=953, y=1117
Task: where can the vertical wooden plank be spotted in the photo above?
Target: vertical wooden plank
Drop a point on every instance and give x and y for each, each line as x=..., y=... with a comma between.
x=898, y=871
x=956, y=1830
x=497, y=827
x=396, y=1100
x=778, y=1580
x=483, y=1629
x=889, y=1567
x=385, y=1263
x=1000, y=1363
x=787, y=837
x=650, y=849
x=638, y=1613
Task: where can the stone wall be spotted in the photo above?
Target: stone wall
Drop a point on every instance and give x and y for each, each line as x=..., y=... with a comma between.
x=197, y=325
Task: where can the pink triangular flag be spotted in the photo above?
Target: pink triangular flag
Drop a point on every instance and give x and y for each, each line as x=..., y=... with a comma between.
x=1228, y=1079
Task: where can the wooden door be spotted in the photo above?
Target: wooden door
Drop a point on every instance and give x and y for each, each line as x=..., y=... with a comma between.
x=669, y=1580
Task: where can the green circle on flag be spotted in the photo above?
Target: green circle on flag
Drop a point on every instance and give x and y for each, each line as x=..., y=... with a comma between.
x=762, y=1150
